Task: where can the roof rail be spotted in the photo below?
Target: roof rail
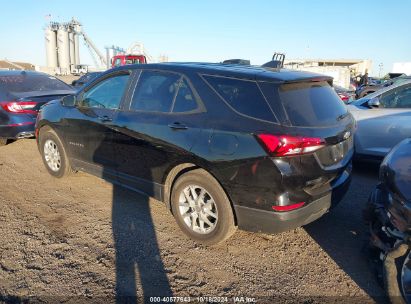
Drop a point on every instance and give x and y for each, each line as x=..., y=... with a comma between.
x=277, y=61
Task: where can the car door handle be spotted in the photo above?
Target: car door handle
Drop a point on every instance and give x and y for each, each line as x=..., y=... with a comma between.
x=105, y=118
x=177, y=126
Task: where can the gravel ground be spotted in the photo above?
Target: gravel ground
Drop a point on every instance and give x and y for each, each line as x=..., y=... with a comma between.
x=82, y=239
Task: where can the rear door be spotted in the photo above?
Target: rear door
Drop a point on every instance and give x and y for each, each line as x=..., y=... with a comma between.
x=159, y=127
x=380, y=129
x=89, y=126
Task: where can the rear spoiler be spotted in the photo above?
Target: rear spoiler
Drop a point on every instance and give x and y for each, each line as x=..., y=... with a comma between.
x=312, y=79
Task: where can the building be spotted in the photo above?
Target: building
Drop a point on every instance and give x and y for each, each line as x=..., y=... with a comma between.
x=340, y=69
x=9, y=65
x=402, y=67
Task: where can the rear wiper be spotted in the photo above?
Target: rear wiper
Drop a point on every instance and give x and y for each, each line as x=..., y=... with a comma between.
x=342, y=116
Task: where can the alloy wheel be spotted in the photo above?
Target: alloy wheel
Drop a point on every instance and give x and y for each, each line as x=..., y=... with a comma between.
x=198, y=209
x=52, y=155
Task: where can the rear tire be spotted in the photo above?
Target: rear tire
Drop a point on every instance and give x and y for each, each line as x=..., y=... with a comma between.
x=201, y=208
x=53, y=154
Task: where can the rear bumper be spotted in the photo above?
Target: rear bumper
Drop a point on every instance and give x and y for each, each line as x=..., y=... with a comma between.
x=256, y=220
x=15, y=126
x=17, y=132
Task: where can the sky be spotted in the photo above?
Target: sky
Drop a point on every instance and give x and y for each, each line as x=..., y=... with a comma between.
x=212, y=30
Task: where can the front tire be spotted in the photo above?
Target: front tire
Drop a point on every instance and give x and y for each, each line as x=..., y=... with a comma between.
x=201, y=208
x=53, y=154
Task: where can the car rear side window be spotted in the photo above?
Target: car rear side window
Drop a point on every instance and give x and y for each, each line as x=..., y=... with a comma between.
x=310, y=104
x=243, y=96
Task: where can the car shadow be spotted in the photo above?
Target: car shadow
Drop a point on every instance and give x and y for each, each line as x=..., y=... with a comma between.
x=140, y=272
x=343, y=235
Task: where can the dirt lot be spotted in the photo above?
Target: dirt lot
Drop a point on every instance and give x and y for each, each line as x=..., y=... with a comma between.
x=81, y=238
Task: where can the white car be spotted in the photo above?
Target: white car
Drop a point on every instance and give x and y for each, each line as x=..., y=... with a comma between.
x=383, y=120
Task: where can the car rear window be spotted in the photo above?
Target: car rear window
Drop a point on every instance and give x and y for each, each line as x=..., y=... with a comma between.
x=310, y=104
x=26, y=82
x=243, y=96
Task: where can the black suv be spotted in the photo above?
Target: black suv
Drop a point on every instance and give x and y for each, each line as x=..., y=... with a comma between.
x=224, y=146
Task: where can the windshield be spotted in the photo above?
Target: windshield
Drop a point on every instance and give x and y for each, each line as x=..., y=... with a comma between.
x=132, y=61
x=29, y=82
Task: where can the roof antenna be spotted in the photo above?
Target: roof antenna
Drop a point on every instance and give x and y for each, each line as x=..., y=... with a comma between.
x=277, y=61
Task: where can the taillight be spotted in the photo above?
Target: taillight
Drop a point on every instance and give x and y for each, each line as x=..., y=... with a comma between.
x=283, y=145
x=344, y=97
x=19, y=107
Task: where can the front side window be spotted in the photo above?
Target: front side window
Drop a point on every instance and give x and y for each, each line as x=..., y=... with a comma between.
x=165, y=92
x=185, y=100
x=107, y=93
x=243, y=96
x=397, y=98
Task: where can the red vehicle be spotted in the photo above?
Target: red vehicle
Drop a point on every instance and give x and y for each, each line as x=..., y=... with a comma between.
x=124, y=59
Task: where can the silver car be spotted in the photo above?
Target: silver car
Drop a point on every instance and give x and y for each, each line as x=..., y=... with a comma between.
x=383, y=118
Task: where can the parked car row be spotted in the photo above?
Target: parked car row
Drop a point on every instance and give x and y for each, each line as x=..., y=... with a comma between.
x=372, y=87
x=346, y=95
x=77, y=84
x=197, y=120
x=227, y=146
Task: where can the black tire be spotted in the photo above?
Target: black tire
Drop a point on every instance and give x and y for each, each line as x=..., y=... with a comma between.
x=224, y=225
x=3, y=141
x=64, y=169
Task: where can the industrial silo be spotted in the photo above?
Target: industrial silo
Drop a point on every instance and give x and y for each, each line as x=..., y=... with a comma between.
x=51, y=47
x=77, y=33
x=63, y=49
x=76, y=48
x=72, y=49
x=109, y=54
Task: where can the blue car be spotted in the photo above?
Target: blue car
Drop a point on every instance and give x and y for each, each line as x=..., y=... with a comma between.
x=22, y=93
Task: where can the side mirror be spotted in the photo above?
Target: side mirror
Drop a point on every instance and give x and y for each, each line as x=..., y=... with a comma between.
x=69, y=101
x=374, y=102
x=73, y=83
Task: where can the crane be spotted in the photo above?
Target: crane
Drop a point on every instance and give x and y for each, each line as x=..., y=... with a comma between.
x=139, y=49
x=98, y=58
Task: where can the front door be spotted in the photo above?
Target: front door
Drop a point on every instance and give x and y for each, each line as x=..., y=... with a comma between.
x=160, y=126
x=90, y=142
